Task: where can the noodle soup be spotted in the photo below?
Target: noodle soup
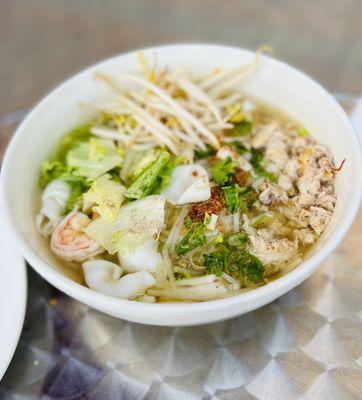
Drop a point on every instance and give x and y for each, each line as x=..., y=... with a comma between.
x=181, y=188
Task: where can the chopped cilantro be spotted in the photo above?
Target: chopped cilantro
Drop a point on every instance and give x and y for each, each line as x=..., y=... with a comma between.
x=232, y=257
x=239, y=198
x=209, y=152
x=257, y=158
x=238, y=147
x=223, y=171
x=217, y=262
x=241, y=128
x=188, y=221
x=303, y=132
x=195, y=237
x=249, y=266
x=232, y=197
x=237, y=239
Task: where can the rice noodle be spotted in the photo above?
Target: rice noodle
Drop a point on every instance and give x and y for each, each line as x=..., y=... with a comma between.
x=168, y=265
x=170, y=243
x=202, y=280
x=175, y=231
x=236, y=221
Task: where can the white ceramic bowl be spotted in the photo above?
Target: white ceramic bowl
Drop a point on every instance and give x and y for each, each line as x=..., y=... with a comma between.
x=273, y=82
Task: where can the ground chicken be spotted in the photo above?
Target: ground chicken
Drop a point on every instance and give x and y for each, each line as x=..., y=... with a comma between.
x=263, y=135
x=326, y=200
x=310, y=181
x=291, y=168
x=285, y=182
x=305, y=236
x=270, y=194
x=319, y=219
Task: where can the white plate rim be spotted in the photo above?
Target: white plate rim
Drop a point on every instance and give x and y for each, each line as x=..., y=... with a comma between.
x=14, y=290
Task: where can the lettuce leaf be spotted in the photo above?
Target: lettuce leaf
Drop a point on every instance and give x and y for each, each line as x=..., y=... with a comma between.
x=135, y=222
x=142, y=162
x=257, y=161
x=232, y=197
x=104, y=197
x=93, y=158
x=194, y=238
x=69, y=140
x=58, y=170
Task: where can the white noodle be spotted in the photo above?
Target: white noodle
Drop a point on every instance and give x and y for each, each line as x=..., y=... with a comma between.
x=168, y=265
x=176, y=228
x=236, y=221
x=202, y=280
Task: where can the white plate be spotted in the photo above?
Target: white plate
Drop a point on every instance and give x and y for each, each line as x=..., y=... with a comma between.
x=13, y=294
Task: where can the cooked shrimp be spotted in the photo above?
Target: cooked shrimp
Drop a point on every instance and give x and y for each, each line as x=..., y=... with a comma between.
x=105, y=277
x=69, y=242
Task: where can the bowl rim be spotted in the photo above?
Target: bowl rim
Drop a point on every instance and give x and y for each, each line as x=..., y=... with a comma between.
x=260, y=295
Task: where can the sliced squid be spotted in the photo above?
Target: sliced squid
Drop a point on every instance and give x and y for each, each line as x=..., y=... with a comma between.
x=189, y=184
x=53, y=201
x=144, y=257
x=69, y=242
x=106, y=277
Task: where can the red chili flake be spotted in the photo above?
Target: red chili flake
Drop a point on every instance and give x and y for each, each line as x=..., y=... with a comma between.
x=212, y=206
x=335, y=169
x=195, y=173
